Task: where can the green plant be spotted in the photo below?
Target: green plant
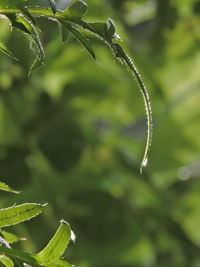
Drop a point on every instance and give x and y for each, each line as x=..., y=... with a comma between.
x=50, y=256
x=22, y=16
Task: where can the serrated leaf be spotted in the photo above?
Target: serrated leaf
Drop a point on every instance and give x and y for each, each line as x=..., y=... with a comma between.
x=16, y=214
x=6, y=261
x=41, y=55
x=18, y=23
x=53, y=6
x=76, y=10
x=84, y=41
x=24, y=24
x=3, y=186
x=73, y=15
x=57, y=245
x=6, y=51
x=33, y=32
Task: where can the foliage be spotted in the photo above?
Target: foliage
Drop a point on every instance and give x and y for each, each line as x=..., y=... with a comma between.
x=72, y=135
x=21, y=17
x=49, y=256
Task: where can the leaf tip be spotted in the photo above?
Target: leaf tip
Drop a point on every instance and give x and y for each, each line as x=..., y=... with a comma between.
x=17, y=192
x=62, y=221
x=53, y=6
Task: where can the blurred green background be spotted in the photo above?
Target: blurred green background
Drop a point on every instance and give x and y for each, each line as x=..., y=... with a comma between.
x=73, y=135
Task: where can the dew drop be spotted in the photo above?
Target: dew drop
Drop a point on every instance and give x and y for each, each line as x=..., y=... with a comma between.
x=73, y=237
x=145, y=162
x=143, y=165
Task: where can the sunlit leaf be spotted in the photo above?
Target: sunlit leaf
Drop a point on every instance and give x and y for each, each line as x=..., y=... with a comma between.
x=19, y=23
x=83, y=40
x=35, y=36
x=25, y=11
x=26, y=25
x=57, y=245
x=4, y=186
x=9, y=237
x=16, y=214
x=6, y=261
x=22, y=256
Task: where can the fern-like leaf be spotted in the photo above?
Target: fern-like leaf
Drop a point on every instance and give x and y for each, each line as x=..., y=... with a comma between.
x=16, y=214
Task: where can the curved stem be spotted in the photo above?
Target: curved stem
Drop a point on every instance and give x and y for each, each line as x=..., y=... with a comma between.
x=148, y=108
x=119, y=53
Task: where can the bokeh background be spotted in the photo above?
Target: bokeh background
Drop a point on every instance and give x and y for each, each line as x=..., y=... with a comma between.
x=73, y=135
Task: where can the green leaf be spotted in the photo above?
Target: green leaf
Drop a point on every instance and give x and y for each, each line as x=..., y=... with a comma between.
x=9, y=237
x=110, y=28
x=64, y=32
x=6, y=261
x=105, y=30
x=53, y=6
x=24, y=24
x=35, y=36
x=4, y=186
x=19, y=23
x=98, y=28
x=6, y=51
x=25, y=11
x=16, y=214
x=76, y=10
x=57, y=245
x=22, y=256
x=82, y=38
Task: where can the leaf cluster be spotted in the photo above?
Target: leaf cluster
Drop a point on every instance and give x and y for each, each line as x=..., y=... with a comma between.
x=22, y=15
x=50, y=256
